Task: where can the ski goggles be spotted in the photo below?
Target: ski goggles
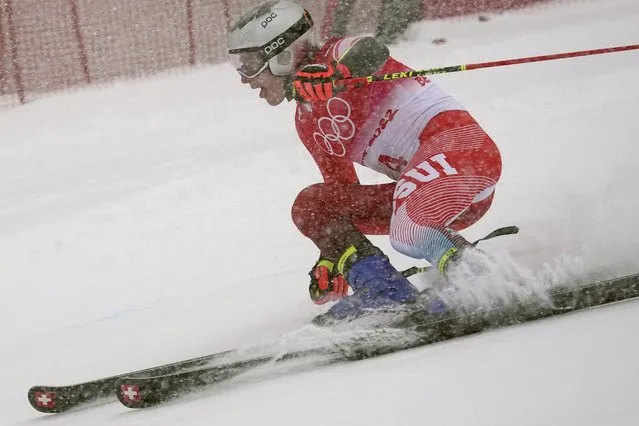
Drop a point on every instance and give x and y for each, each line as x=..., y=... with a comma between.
x=249, y=64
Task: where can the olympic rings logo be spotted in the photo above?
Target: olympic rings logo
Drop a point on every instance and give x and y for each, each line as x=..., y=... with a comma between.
x=335, y=129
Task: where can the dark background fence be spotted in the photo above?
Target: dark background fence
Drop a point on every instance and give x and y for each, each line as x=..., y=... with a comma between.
x=53, y=45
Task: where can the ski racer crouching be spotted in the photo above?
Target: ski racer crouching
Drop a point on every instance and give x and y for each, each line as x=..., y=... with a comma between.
x=444, y=165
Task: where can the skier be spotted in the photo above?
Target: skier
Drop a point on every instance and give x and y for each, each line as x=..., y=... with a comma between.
x=444, y=166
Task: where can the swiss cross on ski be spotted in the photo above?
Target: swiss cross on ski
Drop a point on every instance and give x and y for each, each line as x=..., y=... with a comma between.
x=45, y=399
x=130, y=393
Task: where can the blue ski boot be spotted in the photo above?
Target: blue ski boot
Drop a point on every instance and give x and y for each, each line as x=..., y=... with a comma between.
x=375, y=282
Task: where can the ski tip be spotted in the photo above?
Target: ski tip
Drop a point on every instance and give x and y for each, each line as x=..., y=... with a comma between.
x=45, y=400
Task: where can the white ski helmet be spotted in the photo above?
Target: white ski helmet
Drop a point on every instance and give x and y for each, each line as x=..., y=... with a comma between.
x=276, y=34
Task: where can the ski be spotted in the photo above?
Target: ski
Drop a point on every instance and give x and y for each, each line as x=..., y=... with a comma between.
x=156, y=385
x=57, y=399
x=422, y=329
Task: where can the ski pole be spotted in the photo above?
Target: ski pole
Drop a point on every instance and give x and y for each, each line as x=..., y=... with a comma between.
x=456, y=68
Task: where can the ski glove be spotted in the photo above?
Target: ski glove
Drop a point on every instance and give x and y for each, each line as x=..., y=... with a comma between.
x=325, y=286
x=314, y=82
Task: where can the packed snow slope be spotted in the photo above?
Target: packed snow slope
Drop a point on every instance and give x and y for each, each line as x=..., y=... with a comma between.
x=148, y=221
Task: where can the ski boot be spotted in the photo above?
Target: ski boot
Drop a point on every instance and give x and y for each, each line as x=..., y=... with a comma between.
x=375, y=282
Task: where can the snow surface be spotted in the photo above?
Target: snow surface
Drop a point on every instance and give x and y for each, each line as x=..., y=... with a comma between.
x=148, y=221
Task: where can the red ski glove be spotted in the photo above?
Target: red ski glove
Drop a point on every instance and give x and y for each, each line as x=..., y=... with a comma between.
x=326, y=287
x=314, y=82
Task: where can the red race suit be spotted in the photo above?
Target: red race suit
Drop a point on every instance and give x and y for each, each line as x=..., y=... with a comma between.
x=443, y=164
